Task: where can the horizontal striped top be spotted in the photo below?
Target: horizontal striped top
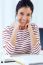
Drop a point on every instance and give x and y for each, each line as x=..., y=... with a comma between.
x=23, y=41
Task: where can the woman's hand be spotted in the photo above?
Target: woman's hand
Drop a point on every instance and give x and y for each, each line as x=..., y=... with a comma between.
x=14, y=34
x=23, y=27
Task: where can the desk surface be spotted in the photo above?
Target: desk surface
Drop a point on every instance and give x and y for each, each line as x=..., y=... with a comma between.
x=25, y=59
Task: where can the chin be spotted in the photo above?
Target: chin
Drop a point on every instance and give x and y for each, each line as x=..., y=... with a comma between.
x=23, y=25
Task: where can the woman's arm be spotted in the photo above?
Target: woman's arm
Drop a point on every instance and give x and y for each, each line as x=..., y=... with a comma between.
x=14, y=34
x=37, y=45
x=35, y=39
x=6, y=35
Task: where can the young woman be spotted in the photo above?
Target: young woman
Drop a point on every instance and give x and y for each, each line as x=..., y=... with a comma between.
x=22, y=38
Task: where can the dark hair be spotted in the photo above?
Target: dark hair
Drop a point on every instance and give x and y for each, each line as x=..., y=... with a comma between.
x=24, y=3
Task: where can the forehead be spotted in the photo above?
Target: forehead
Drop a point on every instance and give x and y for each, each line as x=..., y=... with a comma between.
x=25, y=10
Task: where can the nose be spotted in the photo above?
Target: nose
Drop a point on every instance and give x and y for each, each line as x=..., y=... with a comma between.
x=24, y=18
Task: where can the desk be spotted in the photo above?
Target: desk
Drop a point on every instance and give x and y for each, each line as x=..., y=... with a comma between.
x=25, y=59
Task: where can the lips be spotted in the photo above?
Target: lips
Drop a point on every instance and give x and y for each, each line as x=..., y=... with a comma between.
x=23, y=21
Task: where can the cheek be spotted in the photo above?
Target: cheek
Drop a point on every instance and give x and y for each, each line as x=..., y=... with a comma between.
x=29, y=18
x=19, y=17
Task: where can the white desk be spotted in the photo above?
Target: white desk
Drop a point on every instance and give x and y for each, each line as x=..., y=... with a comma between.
x=25, y=59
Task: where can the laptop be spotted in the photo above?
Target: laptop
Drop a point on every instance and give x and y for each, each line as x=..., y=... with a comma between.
x=36, y=64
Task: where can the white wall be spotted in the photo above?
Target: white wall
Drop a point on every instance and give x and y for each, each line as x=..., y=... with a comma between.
x=8, y=11
x=38, y=12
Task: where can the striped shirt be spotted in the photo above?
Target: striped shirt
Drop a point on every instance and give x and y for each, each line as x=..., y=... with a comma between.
x=23, y=41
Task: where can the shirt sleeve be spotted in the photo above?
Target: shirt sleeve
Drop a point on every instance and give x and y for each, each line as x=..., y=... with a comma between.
x=6, y=35
x=37, y=47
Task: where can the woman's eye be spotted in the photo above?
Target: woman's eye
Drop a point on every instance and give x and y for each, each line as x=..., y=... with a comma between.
x=28, y=14
x=21, y=13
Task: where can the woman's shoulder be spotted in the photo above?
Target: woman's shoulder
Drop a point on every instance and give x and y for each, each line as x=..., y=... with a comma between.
x=34, y=26
x=8, y=29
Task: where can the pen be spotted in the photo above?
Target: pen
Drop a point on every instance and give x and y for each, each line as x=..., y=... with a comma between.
x=8, y=61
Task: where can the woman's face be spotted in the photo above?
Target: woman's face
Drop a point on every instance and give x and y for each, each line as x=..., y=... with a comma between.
x=24, y=15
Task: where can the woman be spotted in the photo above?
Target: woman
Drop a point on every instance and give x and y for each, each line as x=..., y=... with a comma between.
x=22, y=38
